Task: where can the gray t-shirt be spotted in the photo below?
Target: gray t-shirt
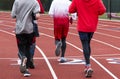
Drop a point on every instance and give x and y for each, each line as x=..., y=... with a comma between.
x=22, y=11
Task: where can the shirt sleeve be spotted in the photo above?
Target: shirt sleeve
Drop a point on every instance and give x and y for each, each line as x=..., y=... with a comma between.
x=72, y=7
x=102, y=8
x=41, y=6
x=36, y=8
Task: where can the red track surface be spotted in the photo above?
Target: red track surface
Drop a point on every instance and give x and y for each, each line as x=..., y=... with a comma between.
x=105, y=49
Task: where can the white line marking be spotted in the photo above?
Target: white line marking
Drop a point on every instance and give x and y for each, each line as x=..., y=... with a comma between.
x=73, y=62
x=108, y=35
x=101, y=42
x=103, y=55
x=77, y=34
x=106, y=44
x=110, y=73
x=48, y=63
x=114, y=62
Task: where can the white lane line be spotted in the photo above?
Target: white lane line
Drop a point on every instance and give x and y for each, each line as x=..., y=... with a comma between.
x=95, y=32
x=7, y=32
x=108, y=35
x=47, y=61
x=100, y=42
x=104, y=55
x=107, y=44
x=110, y=73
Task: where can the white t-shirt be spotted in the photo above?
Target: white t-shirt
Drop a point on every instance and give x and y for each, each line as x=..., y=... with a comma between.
x=59, y=8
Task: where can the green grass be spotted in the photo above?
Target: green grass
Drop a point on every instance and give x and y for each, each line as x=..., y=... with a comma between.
x=104, y=16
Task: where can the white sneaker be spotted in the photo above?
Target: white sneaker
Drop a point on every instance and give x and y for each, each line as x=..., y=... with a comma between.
x=62, y=60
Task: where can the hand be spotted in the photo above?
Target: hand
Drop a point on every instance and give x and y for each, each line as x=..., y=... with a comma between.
x=37, y=16
x=71, y=20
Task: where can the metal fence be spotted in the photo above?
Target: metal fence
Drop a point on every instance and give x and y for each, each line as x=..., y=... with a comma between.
x=112, y=5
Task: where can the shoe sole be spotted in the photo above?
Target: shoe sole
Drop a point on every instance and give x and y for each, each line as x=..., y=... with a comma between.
x=23, y=67
x=57, y=51
x=27, y=75
x=89, y=73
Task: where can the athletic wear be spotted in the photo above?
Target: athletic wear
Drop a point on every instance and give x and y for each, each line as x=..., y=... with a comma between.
x=59, y=11
x=87, y=11
x=85, y=38
x=61, y=17
x=24, y=41
x=22, y=12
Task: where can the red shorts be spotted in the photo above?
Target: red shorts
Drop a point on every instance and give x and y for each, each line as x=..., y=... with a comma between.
x=61, y=27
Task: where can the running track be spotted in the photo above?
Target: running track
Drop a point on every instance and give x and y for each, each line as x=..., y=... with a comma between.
x=105, y=58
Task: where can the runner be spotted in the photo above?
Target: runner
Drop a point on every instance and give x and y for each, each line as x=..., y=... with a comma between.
x=59, y=11
x=88, y=12
x=22, y=11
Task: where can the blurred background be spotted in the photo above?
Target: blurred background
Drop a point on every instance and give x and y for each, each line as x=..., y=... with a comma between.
x=113, y=6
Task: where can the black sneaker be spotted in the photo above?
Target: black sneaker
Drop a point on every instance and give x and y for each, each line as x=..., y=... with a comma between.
x=31, y=65
x=58, y=47
x=27, y=73
x=23, y=64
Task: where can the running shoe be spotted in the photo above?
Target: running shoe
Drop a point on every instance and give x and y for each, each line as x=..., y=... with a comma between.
x=31, y=65
x=88, y=72
x=23, y=64
x=62, y=60
x=58, y=47
x=27, y=73
x=85, y=70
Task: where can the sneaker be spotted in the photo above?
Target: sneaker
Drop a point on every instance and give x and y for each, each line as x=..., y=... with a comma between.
x=58, y=47
x=85, y=70
x=31, y=65
x=27, y=73
x=62, y=60
x=23, y=64
x=88, y=72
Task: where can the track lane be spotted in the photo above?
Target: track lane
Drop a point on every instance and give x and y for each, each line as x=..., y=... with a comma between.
x=79, y=66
